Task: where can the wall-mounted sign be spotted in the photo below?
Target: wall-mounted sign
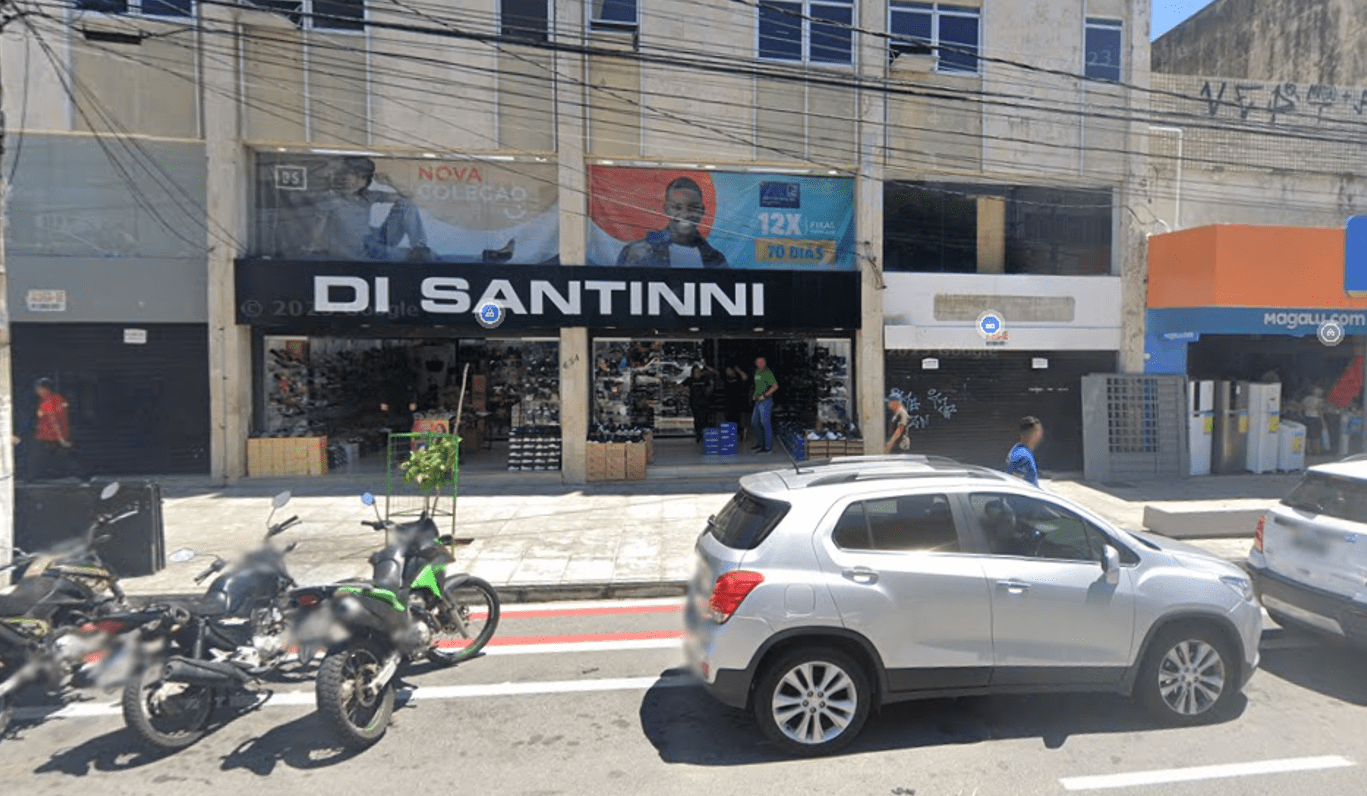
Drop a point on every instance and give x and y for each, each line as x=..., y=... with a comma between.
x=309, y=295
x=46, y=301
x=1039, y=363
x=135, y=336
x=930, y=363
x=673, y=218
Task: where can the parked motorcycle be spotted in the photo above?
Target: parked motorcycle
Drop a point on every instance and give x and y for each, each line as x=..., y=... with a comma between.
x=213, y=651
x=61, y=612
x=410, y=610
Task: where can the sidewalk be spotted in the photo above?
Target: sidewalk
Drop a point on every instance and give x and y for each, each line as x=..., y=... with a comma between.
x=541, y=541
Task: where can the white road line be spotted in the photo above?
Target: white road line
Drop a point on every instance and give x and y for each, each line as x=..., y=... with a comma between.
x=441, y=692
x=1171, y=775
x=586, y=646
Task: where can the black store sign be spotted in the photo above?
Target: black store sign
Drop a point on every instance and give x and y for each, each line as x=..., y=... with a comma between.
x=302, y=296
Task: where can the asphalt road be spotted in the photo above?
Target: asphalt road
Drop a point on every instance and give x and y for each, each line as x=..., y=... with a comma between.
x=588, y=699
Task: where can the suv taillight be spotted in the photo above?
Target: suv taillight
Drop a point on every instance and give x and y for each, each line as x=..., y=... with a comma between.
x=1258, y=535
x=730, y=591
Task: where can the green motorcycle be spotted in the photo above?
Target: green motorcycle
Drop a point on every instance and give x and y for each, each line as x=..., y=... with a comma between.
x=412, y=609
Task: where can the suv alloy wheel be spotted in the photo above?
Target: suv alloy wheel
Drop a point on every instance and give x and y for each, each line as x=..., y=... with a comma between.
x=813, y=702
x=1188, y=675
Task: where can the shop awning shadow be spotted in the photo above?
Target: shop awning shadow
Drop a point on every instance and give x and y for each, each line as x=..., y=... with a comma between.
x=687, y=726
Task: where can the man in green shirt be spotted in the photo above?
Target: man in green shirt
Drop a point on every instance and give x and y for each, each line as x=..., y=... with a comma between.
x=762, y=418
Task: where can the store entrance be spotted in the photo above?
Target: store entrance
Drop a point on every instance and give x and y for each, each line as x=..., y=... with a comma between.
x=647, y=384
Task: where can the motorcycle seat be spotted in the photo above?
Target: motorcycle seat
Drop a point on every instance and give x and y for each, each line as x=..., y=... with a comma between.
x=208, y=606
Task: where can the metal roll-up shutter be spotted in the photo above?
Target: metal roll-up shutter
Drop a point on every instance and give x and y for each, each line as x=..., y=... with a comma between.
x=969, y=407
x=136, y=408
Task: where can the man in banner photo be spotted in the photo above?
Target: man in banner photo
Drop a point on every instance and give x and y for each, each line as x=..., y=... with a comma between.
x=673, y=218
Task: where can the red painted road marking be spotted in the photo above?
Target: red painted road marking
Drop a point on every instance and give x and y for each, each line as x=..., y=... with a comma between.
x=580, y=638
x=514, y=613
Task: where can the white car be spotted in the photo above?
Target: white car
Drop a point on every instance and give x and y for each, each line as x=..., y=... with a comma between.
x=824, y=591
x=1309, y=557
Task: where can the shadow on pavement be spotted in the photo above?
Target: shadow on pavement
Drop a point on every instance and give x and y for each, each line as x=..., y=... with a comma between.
x=303, y=744
x=1269, y=486
x=119, y=750
x=470, y=486
x=685, y=725
x=1323, y=665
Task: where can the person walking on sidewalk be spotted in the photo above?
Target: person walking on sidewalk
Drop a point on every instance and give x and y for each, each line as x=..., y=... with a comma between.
x=1020, y=462
x=899, y=440
x=762, y=417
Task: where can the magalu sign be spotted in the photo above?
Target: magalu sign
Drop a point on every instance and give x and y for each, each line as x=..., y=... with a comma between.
x=334, y=296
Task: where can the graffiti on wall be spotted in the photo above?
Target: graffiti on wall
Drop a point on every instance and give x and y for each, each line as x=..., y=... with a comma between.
x=1282, y=102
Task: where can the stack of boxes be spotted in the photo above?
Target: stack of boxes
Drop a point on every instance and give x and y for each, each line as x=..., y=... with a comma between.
x=534, y=448
x=617, y=461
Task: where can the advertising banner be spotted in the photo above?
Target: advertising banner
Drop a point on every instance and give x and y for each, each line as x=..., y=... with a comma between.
x=334, y=296
x=670, y=218
x=345, y=207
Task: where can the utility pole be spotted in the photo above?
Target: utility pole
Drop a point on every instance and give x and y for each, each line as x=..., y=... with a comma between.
x=6, y=379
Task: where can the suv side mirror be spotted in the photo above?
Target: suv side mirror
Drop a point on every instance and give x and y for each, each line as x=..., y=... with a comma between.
x=1110, y=564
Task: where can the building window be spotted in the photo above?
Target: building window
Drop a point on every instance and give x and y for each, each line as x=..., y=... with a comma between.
x=526, y=19
x=1104, y=40
x=329, y=15
x=146, y=8
x=949, y=31
x=613, y=15
x=807, y=31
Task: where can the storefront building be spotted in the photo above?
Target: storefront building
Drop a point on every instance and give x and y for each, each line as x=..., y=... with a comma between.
x=1246, y=303
x=344, y=325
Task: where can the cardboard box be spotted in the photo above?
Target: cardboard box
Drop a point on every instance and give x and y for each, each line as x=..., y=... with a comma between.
x=818, y=449
x=597, y=465
x=636, y=461
x=273, y=457
x=650, y=447
x=616, y=461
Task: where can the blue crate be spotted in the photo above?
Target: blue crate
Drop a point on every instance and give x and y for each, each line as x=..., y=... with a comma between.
x=729, y=427
x=711, y=435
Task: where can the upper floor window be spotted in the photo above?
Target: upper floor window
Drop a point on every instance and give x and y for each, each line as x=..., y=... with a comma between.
x=614, y=15
x=807, y=31
x=949, y=31
x=526, y=19
x=146, y=8
x=331, y=15
x=1104, y=40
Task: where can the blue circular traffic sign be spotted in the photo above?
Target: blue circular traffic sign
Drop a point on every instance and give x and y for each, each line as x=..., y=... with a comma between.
x=490, y=314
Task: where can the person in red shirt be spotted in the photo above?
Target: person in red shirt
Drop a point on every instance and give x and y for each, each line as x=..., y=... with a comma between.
x=52, y=433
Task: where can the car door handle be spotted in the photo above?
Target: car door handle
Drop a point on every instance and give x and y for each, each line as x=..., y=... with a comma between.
x=1014, y=586
x=861, y=575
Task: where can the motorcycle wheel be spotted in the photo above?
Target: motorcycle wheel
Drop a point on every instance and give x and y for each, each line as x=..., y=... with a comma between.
x=467, y=622
x=166, y=715
x=356, y=718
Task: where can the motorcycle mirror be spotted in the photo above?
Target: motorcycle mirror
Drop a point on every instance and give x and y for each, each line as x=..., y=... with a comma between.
x=181, y=556
x=368, y=499
x=109, y=491
x=281, y=499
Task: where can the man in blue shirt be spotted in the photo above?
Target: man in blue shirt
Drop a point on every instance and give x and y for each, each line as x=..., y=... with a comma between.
x=1020, y=462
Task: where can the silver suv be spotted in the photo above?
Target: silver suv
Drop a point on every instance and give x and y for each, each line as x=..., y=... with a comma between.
x=823, y=591
x=1309, y=557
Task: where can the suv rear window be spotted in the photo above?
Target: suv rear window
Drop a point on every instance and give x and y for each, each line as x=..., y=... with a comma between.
x=1330, y=495
x=746, y=521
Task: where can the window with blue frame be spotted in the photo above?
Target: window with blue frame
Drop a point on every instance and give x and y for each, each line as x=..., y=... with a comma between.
x=952, y=32
x=1105, y=37
x=615, y=15
x=807, y=31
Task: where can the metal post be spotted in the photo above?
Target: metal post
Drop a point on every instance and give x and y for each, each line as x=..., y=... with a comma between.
x=6, y=380
x=1362, y=410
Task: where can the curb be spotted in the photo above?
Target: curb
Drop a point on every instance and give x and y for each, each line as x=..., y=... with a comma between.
x=520, y=593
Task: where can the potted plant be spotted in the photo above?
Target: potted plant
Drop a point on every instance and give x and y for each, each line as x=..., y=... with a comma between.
x=433, y=467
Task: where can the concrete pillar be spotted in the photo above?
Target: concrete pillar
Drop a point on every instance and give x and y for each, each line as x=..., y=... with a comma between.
x=230, y=389
x=991, y=235
x=868, y=343
x=570, y=135
x=1129, y=251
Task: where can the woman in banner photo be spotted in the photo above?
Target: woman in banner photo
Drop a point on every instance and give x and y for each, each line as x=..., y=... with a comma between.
x=680, y=244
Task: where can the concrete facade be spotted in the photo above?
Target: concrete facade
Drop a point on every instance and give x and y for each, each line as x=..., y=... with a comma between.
x=239, y=81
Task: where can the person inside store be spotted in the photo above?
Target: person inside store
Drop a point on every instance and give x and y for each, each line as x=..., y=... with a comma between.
x=1020, y=462
x=762, y=416
x=701, y=383
x=52, y=455
x=899, y=440
x=398, y=402
x=344, y=230
x=680, y=244
x=1312, y=412
x=736, y=388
